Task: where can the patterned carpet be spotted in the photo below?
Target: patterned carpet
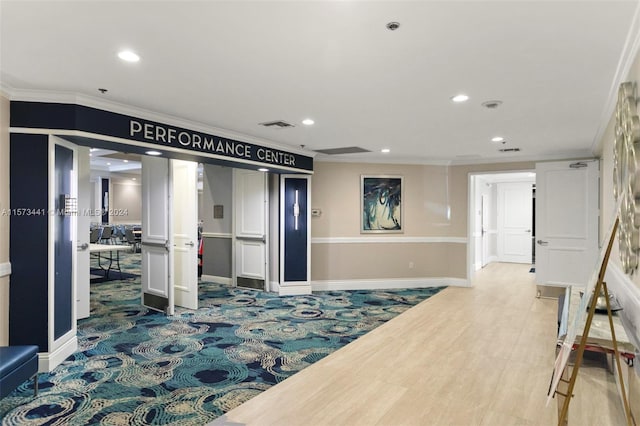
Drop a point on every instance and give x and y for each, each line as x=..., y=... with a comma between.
x=139, y=367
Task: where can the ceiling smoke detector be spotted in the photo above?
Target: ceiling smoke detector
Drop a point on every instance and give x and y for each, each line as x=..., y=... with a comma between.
x=491, y=104
x=392, y=26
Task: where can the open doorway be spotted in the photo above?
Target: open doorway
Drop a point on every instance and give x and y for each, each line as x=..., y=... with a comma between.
x=501, y=218
x=118, y=204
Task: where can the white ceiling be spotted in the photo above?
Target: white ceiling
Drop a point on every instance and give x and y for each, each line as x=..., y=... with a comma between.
x=235, y=64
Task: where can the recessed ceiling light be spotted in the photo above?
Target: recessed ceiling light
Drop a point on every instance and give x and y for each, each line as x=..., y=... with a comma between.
x=385, y=150
x=460, y=98
x=108, y=164
x=129, y=56
x=90, y=155
x=262, y=169
x=126, y=161
x=133, y=178
x=153, y=153
x=93, y=149
x=497, y=139
x=307, y=122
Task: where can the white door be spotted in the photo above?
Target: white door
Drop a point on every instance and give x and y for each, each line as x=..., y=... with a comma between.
x=83, y=223
x=484, y=219
x=566, y=221
x=185, y=233
x=515, y=204
x=157, y=240
x=250, y=228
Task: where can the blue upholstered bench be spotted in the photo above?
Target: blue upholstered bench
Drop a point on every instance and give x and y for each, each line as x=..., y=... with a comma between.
x=18, y=364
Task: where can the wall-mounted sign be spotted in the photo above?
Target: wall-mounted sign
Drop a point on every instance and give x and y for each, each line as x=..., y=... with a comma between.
x=56, y=116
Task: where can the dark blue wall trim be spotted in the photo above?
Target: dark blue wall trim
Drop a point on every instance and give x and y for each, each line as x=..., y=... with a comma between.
x=29, y=284
x=46, y=115
x=63, y=247
x=105, y=196
x=295, y=241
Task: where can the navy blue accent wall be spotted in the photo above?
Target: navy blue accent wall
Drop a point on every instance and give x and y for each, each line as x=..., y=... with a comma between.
x=29, y=290
x=47, y=115
x=295, y=241
x=105, y=196
x=63, y=247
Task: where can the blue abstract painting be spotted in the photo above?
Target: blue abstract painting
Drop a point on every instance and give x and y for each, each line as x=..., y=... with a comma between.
x=381, y=203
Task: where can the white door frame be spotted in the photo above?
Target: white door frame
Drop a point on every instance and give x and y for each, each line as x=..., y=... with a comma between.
x=472, y=183
x=65, y=345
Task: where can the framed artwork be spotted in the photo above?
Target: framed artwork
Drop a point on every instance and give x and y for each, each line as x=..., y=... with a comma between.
x=381, y=204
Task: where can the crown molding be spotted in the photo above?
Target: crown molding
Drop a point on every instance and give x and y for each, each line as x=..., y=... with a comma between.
x=119, y=108
x=387, y=240
x=387, y=160
x=629, y=54
x=572, y=155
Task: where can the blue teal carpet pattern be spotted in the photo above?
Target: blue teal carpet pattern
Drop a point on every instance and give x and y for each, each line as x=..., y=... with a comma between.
x=139, y=367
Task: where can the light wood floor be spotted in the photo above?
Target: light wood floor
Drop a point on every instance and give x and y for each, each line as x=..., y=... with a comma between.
x=467, y=356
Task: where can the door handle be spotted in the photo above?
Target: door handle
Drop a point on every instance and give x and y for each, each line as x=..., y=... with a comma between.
x=251, y=238
x=164, y=245
x=542, y=243
x=83, y=247
x=190, y=244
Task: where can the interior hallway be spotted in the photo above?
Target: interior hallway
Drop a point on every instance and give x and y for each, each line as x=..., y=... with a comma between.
x=466, y=356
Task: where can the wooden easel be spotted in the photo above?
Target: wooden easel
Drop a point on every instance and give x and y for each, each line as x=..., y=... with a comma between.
x=600, y=286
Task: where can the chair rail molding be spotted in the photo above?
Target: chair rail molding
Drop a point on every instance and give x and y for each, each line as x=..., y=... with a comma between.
x=5, y=269
x=388, y=283
x=386, y=240
x=216, y=235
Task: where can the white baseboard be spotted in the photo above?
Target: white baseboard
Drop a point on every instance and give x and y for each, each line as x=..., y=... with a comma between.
x=380, y=284
x=47, y=361
x=290, y=289
x=5, y=269
x=294, y=290
x=274, y=287
x=216, y=279
x=492, y=259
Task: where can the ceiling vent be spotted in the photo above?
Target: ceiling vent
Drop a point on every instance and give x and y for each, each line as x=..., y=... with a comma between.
x=509, y=150
x=492, y=104
x=346, y=150
x=277, y=124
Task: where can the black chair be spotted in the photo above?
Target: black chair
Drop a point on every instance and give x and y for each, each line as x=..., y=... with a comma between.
x=131, y=239
x=106, y=234
x=94, y=237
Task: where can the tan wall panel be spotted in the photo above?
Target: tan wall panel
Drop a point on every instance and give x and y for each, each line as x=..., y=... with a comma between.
x=126, y=197
x=4, y=219
x=336, y=191
x=434, y=203
x=379, y=261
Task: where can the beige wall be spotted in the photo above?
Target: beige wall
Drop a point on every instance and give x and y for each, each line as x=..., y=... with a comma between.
x=336, y=189
x=126, y=197
x=4, y=219
x=434, y=203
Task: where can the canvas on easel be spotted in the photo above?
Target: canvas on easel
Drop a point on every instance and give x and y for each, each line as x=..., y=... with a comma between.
x=568, y=344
